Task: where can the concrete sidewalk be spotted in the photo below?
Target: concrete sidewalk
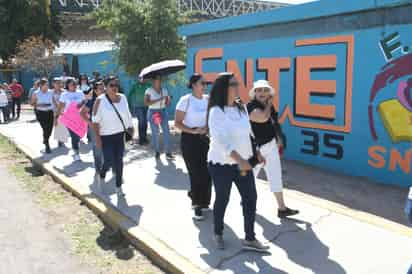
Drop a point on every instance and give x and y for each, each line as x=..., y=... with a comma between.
x=321, y=240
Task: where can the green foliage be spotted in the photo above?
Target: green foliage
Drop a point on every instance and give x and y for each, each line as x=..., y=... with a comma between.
x=145, y=31
x=20, y=19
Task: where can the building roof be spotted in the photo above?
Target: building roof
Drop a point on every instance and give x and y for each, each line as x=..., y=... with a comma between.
x=83, y=47
x=321, y=8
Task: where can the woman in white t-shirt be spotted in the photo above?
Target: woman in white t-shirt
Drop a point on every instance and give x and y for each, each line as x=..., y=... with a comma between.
x=69, y=96
x=111, y=116
x=157, y=99
x=42, y=101
x=191, y=119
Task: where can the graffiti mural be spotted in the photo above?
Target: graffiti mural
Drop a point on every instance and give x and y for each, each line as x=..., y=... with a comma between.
x=344, y=105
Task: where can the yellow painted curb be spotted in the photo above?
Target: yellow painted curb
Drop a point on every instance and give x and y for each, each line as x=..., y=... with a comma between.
x=159, y=252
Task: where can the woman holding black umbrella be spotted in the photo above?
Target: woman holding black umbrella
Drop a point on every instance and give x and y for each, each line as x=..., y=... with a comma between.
x=157, y=99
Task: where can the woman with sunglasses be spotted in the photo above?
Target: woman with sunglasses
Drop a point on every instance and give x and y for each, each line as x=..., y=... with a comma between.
x=190, y=118
x=228, y=157
x=87, y=114
x=42, y=101
x=268, y=137
x=111, y=116
x=157, y=99
x=69, y=96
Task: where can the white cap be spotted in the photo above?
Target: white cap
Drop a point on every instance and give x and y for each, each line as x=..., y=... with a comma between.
x=261, y=84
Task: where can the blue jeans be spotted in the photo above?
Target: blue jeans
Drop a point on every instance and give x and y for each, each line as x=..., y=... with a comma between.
x=155, y=129
x=97, y=153
x=113, y=152
x=223, y=176
x=75, y=141
x=141, y=114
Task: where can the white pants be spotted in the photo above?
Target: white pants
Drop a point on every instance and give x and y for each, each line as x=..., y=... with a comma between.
x=272, y=168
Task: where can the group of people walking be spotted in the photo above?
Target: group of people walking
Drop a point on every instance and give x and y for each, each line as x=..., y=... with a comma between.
x=223, y=140
x=11, y=96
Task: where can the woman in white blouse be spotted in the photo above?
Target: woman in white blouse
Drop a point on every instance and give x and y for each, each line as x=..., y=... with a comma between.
x=190, y=118
x=111, y=117
x=230, y=157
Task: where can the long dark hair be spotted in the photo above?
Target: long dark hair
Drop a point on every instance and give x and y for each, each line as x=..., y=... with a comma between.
x=68, y=82
x=219, y=94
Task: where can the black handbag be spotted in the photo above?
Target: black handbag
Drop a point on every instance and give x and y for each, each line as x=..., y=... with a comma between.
x=128, y=132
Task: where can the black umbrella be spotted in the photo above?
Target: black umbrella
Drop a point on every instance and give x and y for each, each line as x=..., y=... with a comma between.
x=162, y=68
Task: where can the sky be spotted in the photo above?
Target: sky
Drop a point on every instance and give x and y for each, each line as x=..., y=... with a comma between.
x=292, y=1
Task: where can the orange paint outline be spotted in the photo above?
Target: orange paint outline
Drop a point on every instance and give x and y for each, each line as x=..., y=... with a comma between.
x=349, y=40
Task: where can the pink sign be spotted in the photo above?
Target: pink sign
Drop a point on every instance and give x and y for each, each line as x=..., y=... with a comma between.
x=72, y=120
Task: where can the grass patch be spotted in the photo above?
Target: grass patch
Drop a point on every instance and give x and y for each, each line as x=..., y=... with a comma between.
x=91, y=241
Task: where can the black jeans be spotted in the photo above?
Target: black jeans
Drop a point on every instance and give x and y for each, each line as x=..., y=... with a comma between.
x=194, y=150
x=16, y=103
x=45, y=119
x=113, y=151
x=223, y=176
x=141, y=114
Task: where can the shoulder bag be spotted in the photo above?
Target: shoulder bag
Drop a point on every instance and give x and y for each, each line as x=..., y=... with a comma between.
x=128, y=132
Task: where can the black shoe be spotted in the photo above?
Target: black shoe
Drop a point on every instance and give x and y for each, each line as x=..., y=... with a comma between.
x=287, y=212
x=48, y=150
x=170, y=156
x=198, y=214
x=157, y=155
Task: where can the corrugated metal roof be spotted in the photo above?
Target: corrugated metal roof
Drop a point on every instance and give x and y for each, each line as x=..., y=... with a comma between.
x=83, y=47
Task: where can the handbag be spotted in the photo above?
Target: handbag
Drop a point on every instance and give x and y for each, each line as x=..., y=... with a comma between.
x=157, y=115
x=128, y=132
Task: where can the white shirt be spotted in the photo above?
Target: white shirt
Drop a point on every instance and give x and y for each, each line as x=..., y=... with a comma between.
x=107, y=118
x=44, y=98
x=67, y=97
x=195, y=110
x=154, y=95
x=3, y=98
x=229, y=130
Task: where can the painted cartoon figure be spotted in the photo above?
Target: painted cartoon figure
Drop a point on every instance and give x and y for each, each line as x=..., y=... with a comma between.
x=396, y=113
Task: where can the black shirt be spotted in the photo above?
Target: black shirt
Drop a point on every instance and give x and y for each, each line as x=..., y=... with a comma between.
x=265, y=132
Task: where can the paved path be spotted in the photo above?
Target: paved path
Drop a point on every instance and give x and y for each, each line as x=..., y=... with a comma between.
x=319, y=240
x=27, y=243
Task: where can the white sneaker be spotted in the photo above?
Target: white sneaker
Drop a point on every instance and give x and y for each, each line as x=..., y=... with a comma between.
x=119, y=192
x=76, y=157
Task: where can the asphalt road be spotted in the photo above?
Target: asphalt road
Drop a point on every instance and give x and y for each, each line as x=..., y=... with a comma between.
x=27, y=244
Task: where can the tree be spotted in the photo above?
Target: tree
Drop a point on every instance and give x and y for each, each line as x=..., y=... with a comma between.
x=20, y=19
x=36, y=54
x=145, y=31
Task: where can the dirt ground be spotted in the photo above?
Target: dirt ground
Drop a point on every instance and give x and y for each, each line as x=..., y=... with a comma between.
x=93, y=245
